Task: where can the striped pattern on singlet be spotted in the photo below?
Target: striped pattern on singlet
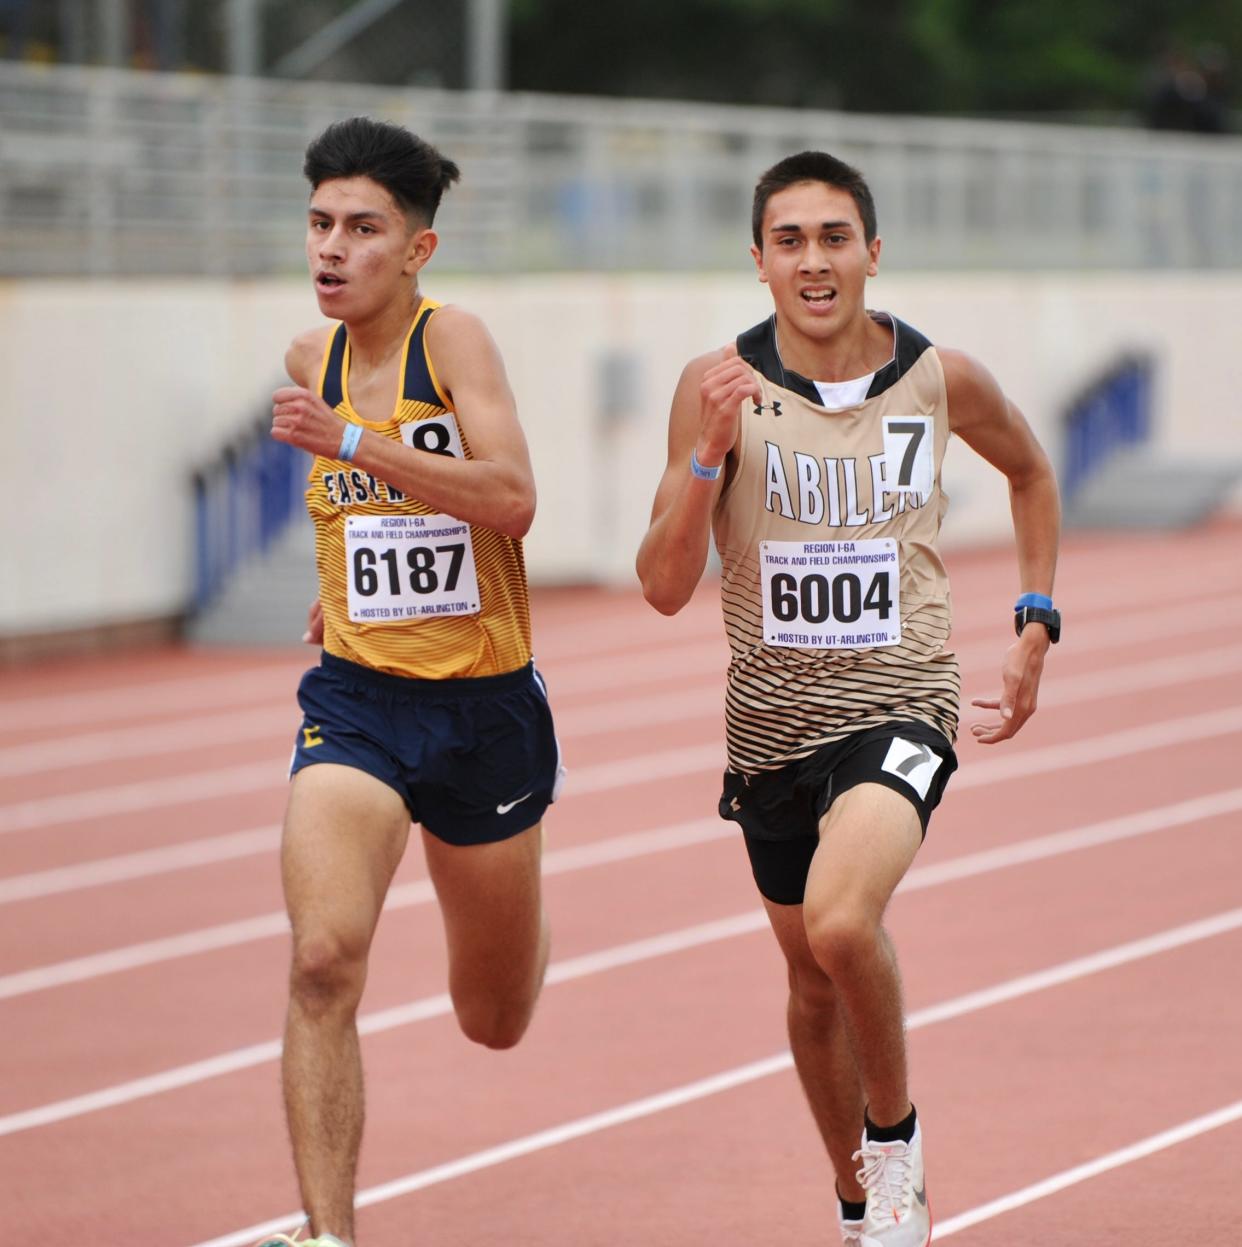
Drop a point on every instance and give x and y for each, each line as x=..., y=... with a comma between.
x=784, y=703
x=495, y=640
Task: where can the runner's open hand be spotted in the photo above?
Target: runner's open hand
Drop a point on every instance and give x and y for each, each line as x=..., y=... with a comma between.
x=1020, y=673
x=721, y=392
x=301, y=418
x=314, y=624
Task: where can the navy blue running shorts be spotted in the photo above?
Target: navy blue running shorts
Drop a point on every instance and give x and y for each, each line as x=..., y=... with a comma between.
x=475, y=760
x=779, y=811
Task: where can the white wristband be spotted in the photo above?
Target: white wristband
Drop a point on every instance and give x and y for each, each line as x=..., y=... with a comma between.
x=349, y=442
x=704, y=474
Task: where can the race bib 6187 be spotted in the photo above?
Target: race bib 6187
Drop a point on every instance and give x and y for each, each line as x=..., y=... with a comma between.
x=409, y=567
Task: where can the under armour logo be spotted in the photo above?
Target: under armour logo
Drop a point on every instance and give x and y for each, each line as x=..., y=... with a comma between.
x=774, y=407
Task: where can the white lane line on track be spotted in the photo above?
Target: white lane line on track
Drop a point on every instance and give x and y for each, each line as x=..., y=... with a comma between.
x=278, y=724
x=277, y=683
x=1093, y=1168
x=141, y=865
x=1202, y=613
x=967, y=866
x=210, y=849
x=695, y=760
x=1148, y=736
x=232, y=781
x=152, y=740
x=582, y=673
x=80, y=807
x=648, y=1106
x=417, y=892
x=696, y=656
x=279, y=720
x=701, y=700
x=1204, y=665
x=59, y=710
x=206, y=939
x=276, y=674
x=148, y=794
x=1138, y=677
x=422, y=1010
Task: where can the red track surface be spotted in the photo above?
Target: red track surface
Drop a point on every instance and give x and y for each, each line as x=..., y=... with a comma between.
x=140, y=934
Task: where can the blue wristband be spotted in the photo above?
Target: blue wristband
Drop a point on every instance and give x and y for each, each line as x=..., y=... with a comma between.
x=349, y=442
x=704, y=474
x=1033, y=599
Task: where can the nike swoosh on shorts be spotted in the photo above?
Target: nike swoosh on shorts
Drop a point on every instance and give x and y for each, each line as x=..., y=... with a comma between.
x=504, y=809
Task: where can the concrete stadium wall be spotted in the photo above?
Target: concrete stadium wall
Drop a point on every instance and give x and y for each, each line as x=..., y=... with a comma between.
x=115, y=391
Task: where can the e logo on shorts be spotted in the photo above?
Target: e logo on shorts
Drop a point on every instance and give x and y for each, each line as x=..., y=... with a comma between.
x=915, y=763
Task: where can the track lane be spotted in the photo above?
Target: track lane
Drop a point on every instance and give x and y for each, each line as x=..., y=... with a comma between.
x=140, y=812
x=1182, y=817
x=690, y=997
x=1137, y=1177
x=496, y=1180
x=1107, y=756
x=1032, y=794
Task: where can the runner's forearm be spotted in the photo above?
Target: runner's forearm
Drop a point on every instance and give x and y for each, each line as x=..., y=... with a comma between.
x=493, y=495
x=673, y=554
x=1036, y=507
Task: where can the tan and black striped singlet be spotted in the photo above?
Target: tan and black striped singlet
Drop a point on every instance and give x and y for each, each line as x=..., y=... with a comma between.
x=805, y=473
x=491, y=642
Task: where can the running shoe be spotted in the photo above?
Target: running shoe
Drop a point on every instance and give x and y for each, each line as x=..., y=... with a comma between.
x=284, y=1240
x=851, y=1231
x=897, y=1211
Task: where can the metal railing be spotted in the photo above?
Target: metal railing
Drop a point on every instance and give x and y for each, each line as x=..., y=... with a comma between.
x=243, y=500
x=1110, y=415
x=117, y=173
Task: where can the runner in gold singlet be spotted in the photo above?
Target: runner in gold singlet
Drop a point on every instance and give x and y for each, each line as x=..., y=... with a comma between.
x=425, y=706
x=485, y=627
x=811, y=449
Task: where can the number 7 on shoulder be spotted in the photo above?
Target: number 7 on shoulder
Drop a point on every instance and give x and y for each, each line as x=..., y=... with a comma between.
x=909, y=458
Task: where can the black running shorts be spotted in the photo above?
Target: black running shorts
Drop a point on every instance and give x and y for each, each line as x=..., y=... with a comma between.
x=779, y=811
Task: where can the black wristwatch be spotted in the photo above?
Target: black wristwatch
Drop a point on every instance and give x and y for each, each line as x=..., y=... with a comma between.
x=1051, y=619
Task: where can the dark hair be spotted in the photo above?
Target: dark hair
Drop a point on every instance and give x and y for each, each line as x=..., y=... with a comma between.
x=409, y=169
x=813, y=167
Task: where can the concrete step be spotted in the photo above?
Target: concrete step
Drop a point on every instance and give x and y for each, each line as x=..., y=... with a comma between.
x=1154, y=490
x=266, y=601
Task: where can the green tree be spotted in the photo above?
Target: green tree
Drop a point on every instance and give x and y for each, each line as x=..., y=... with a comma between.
x=925, y=56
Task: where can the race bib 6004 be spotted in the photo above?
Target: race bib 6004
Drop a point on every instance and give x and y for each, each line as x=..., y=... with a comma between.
x=409, y=567
x=830, y=594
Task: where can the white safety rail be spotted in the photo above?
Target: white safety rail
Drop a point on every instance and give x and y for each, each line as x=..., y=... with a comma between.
x=117, y=173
